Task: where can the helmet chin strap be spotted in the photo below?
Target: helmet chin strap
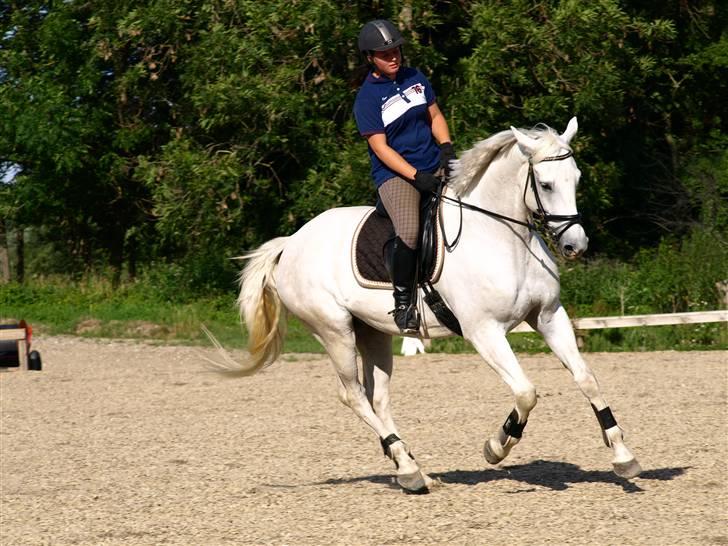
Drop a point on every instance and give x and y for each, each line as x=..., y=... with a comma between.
x=370, y=60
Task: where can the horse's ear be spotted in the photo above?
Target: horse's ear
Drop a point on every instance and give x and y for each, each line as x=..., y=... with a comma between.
x=527, y=144
x=570, y=130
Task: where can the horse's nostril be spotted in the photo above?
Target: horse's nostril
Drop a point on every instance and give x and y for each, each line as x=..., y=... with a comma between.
x=569, y=249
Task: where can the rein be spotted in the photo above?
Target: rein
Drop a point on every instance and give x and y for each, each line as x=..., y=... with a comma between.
x=540, y=215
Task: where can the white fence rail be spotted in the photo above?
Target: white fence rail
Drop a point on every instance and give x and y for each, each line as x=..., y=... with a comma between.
x=628, y=321
x=411, y=346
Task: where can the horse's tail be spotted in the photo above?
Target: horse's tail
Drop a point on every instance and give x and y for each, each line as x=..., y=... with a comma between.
x=261, y=309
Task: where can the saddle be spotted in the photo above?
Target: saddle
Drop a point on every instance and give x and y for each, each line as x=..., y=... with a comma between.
x=371, y=256
x=375, y=234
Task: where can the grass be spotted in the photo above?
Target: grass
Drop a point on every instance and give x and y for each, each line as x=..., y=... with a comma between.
x=92, y=308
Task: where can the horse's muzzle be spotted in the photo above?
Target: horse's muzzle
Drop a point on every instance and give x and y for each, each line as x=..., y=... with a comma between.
x=573, y=242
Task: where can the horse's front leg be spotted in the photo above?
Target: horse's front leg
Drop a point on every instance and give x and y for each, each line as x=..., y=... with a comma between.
x=492, y=345
x=557, y=331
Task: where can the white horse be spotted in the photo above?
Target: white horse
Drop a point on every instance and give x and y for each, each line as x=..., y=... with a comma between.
x=499, y=274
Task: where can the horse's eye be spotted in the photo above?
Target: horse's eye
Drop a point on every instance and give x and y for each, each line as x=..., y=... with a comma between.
x=547, y=186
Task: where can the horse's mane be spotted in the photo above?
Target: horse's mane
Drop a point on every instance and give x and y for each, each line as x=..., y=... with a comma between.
x=473, y=163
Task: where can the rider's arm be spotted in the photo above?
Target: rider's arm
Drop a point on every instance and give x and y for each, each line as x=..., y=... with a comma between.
x=390, y=157
x=438, y=124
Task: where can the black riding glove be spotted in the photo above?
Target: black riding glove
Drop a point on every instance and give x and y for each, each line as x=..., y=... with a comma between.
x=447, y=154
x=425, y=181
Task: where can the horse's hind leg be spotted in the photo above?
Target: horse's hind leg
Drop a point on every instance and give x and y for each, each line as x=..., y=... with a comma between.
x=493, y=346
x=377, y=364
x=559, y=334
x=339, y=340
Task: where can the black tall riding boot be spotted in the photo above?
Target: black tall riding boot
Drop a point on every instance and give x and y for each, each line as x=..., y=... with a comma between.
x=404, y=267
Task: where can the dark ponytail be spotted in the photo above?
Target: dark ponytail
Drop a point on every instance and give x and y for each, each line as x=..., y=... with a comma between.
x=359, y=74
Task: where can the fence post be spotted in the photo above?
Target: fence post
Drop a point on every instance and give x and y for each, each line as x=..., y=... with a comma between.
x=19, y=254
x=4, y=253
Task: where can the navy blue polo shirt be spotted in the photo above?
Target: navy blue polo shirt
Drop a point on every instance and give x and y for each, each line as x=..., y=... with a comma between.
x=398, y=108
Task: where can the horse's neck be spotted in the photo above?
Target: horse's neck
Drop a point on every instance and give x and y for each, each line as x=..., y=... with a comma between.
x=500, y=189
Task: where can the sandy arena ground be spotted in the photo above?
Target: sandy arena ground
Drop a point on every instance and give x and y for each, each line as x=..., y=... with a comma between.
x=125, y=443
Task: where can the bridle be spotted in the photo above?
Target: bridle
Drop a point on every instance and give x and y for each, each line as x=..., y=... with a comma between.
x=540, y=216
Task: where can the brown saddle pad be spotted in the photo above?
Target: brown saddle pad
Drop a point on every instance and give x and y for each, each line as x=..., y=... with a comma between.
x=367, y=253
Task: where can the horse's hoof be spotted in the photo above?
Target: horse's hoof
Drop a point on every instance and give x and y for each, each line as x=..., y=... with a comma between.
x=489, y=454
x=431, y=484
x=630, y=469
x=413, y=483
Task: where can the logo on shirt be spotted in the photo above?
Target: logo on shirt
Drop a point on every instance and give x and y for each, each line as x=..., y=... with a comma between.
x=398, y=105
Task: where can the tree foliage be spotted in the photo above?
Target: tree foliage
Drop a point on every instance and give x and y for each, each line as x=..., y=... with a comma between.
x=190, y=130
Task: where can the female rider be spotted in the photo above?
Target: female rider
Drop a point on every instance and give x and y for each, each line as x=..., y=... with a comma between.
x=408, y=140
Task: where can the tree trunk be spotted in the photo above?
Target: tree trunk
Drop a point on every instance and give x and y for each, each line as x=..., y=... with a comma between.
x=132, y=259
x=20, y=254
x=4, y=254
x=116, y=259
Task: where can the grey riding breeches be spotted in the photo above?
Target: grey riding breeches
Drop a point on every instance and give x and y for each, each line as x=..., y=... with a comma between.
x=402, y=202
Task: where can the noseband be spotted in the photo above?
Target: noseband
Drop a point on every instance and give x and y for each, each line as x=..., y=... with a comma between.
x=541, y=216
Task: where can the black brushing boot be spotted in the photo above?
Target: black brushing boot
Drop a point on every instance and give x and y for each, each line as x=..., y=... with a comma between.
x=404, y=267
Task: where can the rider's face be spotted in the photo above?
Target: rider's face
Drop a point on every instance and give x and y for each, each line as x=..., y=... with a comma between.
x=386, y=63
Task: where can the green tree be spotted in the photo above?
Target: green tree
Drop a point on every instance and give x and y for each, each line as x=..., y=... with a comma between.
x=189, y=130
x=74, y=118
x=265, y=137
x=642, y=81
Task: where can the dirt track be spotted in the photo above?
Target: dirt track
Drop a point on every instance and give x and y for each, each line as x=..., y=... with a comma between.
x=124, y=443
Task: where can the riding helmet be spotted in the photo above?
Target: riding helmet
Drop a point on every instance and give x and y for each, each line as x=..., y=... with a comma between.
x=379, y=35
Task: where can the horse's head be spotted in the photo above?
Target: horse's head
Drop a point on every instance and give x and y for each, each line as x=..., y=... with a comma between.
x=550, y=191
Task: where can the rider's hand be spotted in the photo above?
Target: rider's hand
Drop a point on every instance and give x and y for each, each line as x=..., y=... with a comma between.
x=447, y=154
x=425, y=181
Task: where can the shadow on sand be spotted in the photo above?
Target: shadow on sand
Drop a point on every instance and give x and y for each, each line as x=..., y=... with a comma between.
x=557, y=476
